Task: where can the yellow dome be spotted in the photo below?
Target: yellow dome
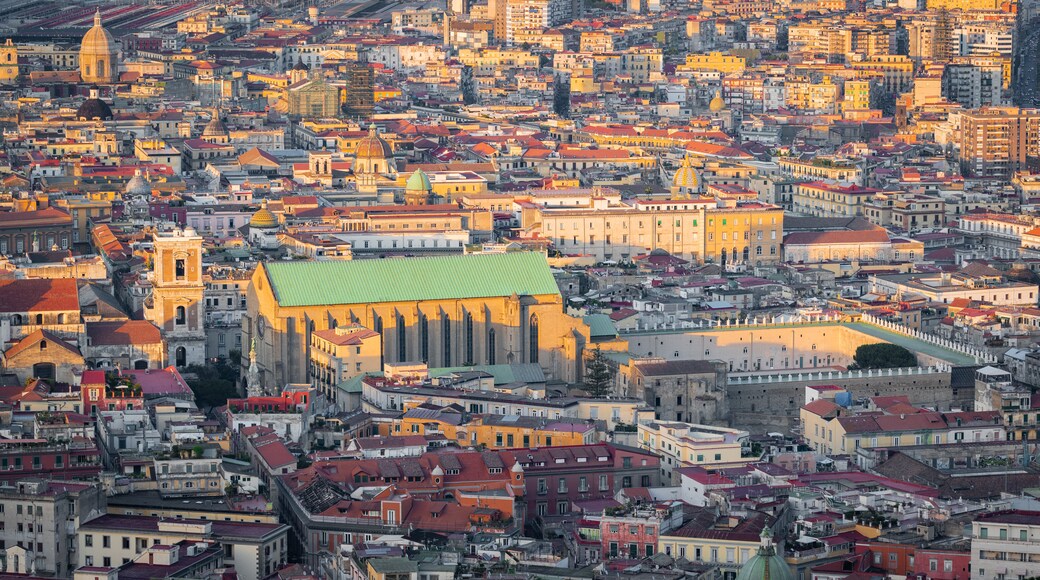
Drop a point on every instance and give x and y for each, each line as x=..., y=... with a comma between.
x=263, y=218
x=373, y=147
x=717, y=104
x=97, y=54
x=685, y=178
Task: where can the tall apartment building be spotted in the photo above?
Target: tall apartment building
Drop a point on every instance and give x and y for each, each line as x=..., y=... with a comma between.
x=538, y=14
x=997, y=142
x=973, y=85
x=40, y=522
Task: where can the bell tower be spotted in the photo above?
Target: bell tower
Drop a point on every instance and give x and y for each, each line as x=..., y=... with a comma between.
x=177, y=306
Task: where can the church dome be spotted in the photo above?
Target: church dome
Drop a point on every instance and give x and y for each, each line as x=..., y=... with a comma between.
x=686, y=177
x=138, y=185
x=263, y=218
x=94, y=109
x=97, y=53
x=418, y=181
x=717, y=104
x=215, y=128
x=766, y=564
x=373, y=147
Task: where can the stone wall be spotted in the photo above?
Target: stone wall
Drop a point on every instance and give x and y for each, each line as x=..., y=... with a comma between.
x=762, y=406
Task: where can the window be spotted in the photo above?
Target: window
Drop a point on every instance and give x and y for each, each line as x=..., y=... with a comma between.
x=178, y=269
x=603, y=483
x=533, y=339
x=468, y=327
x=181, y=315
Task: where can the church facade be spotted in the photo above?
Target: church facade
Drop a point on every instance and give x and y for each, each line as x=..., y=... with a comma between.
x=444, y=310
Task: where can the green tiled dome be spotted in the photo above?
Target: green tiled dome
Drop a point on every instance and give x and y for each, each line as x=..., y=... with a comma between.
x=766, y=564
x=418, y=181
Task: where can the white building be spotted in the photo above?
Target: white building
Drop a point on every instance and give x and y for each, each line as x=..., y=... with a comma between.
x=1005, y=544
x=257, y=550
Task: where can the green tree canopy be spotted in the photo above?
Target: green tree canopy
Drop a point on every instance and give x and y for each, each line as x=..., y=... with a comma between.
x=213, y=384
x=883, y=356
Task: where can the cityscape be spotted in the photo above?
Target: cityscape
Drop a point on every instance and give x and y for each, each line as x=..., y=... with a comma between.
x=520, y=289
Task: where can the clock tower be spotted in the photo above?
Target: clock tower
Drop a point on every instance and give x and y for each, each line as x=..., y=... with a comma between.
x=176, y=305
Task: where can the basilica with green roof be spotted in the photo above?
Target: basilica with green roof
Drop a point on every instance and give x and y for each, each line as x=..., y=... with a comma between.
x=446, y=311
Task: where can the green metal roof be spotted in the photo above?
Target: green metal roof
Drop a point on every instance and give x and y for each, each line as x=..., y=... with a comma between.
x=503, y=374
x=600, y=325
x=325, y=283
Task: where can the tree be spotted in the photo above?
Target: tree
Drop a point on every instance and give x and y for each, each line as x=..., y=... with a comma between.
x=883, y=356
x=599, y=376
x=214, y=384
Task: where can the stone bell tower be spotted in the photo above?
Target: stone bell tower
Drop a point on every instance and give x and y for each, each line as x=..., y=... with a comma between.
x=177, y=306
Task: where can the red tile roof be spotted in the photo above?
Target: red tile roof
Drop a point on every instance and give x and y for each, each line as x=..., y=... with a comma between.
x=34, y=295
x=28, y=219
x=123, y=332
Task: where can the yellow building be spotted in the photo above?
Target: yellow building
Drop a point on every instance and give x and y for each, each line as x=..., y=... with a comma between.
x=715, y=61
x=965, y=5
x=699, y=229
x=823, y=167
x=857, y=95
x=820, y=97
x=493, y=431
x=85, y=211
x=449, y=186
x=474, y=309
x=692, y=445
x=488, y=61
x=339, y=354
x=831, y=429
x=897, y=71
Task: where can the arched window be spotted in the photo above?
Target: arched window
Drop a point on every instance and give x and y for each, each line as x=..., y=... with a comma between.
x=402, y=339
x=43, y=345
x=533, y=339
x=140, y=365
x=424, y=338
x=378, y=325
x=747, y=253
x=61, y=318
x=469, y=338
x=446, y=339
x=182, y=315
x=39, y=319
x=181, y=356
x=758, y=250
x=491, y=346
x=178, y=269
